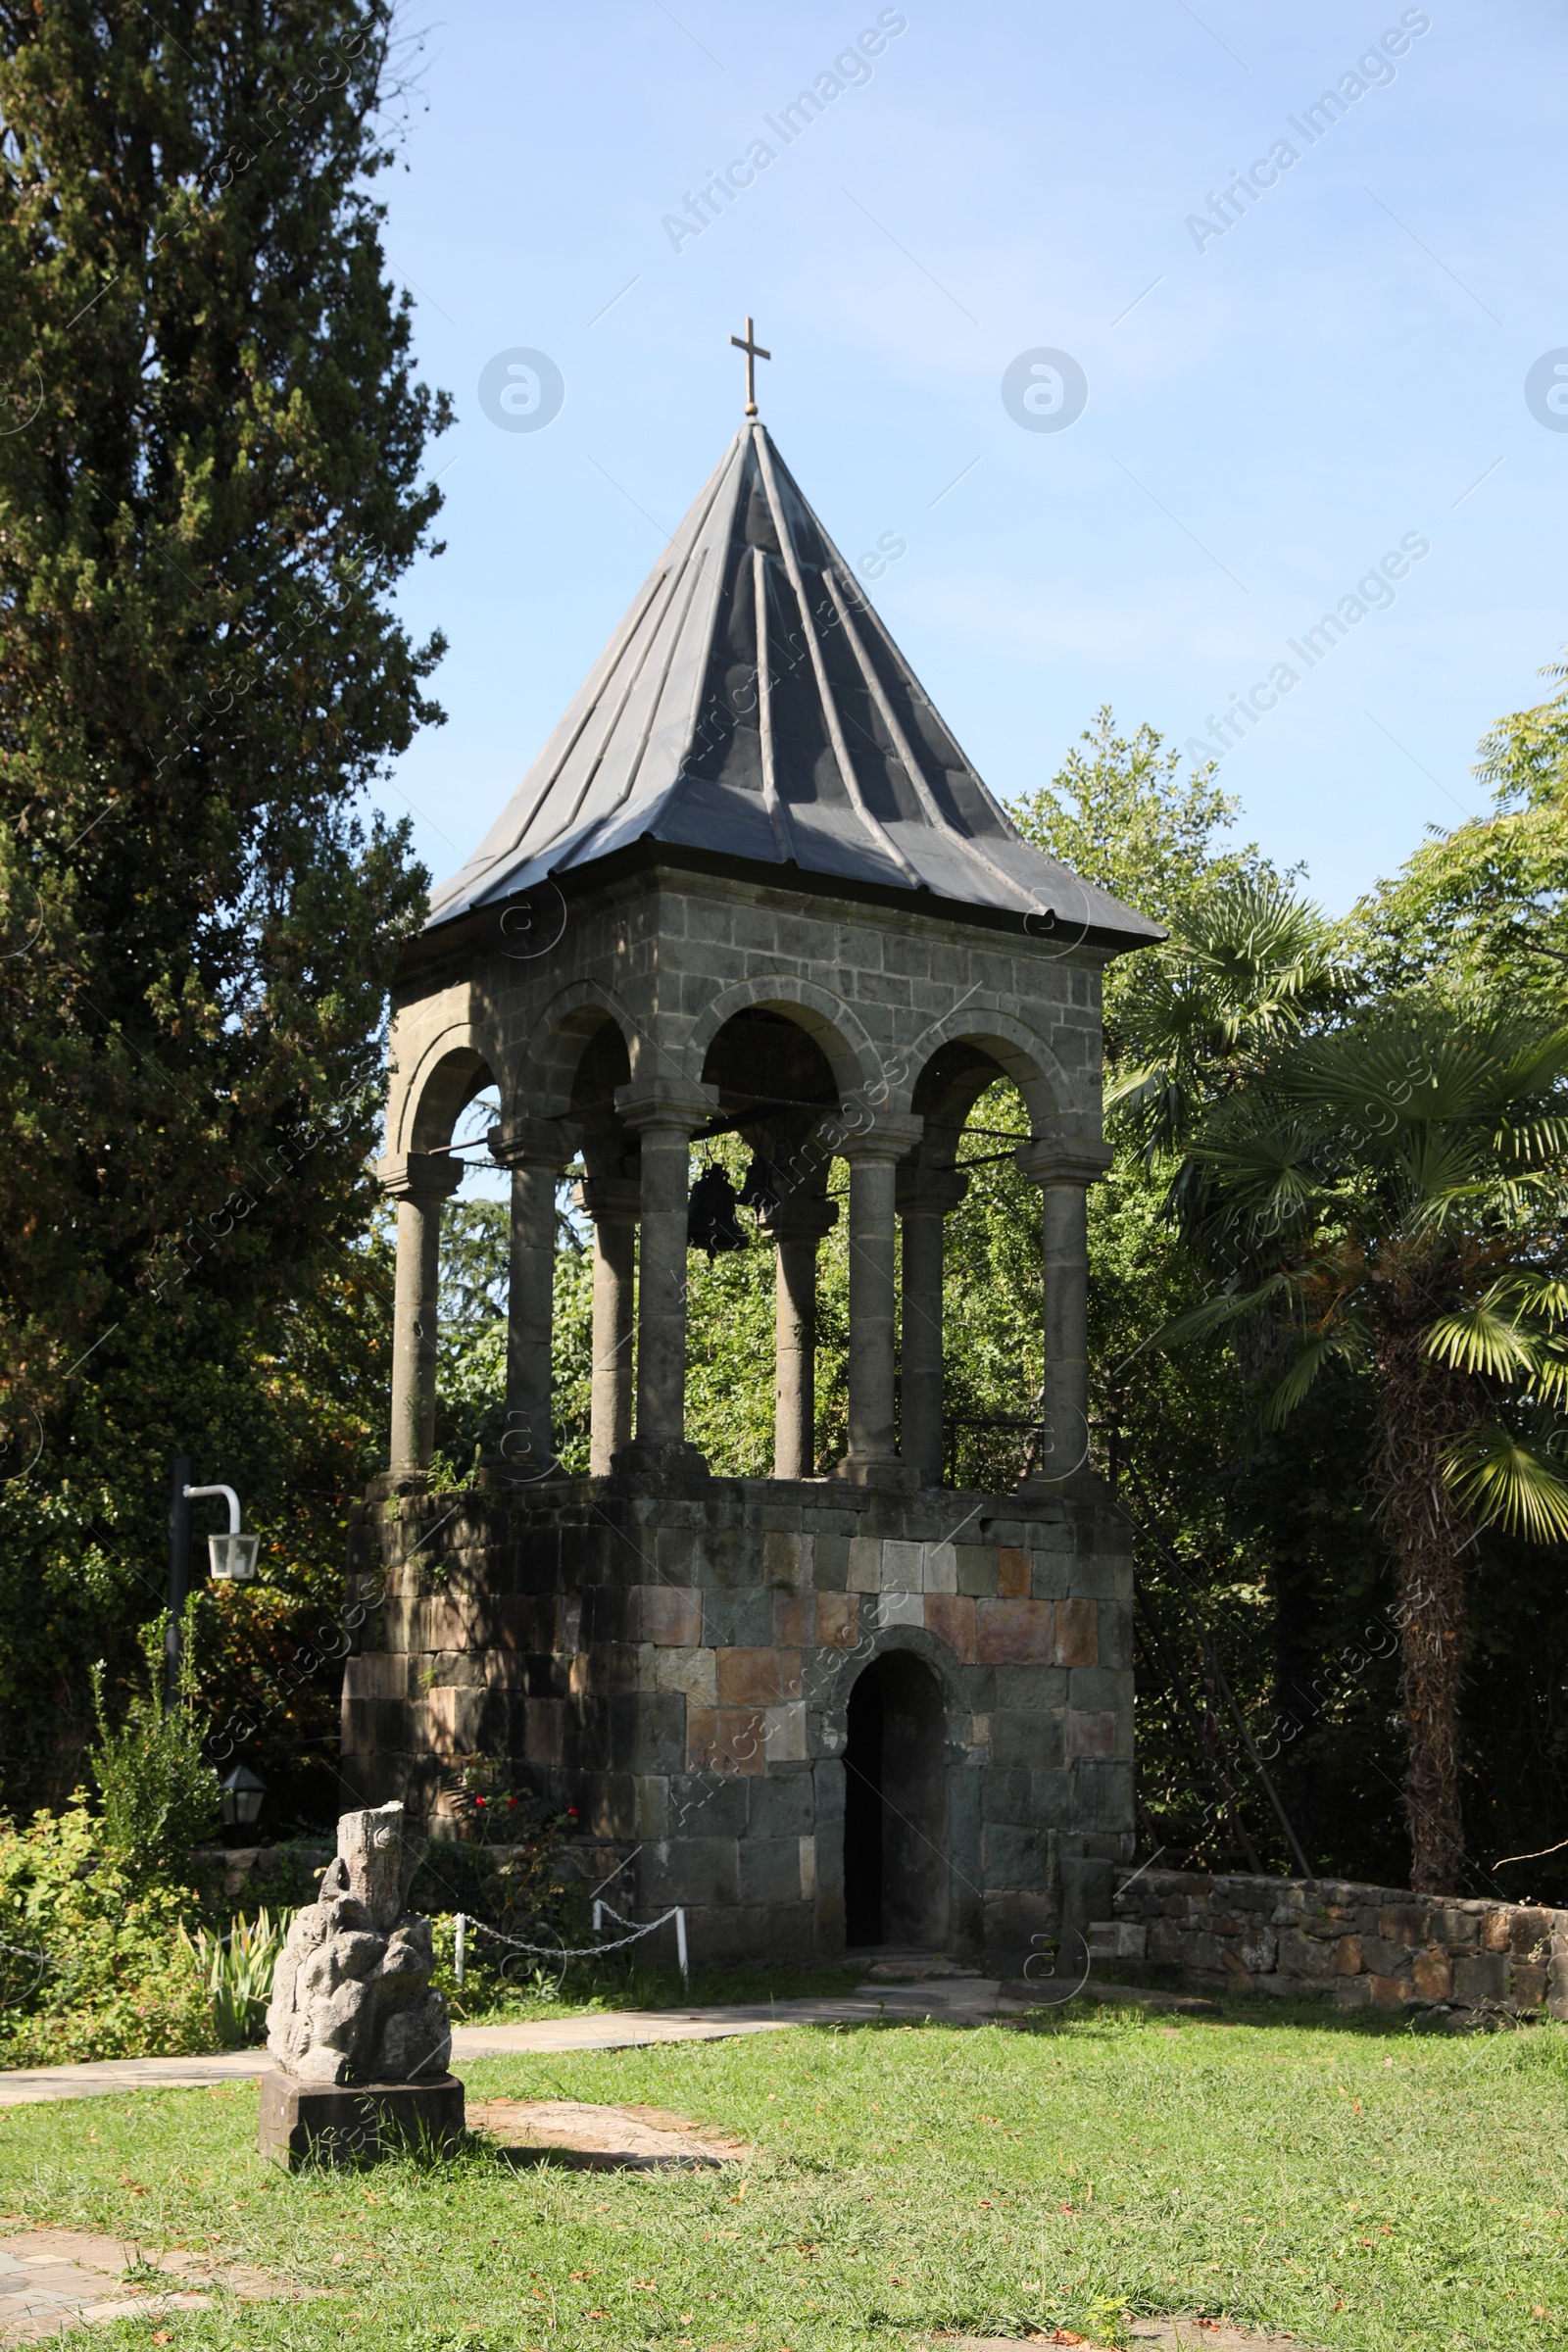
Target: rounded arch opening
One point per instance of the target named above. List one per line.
(441, 1093)
(581, 1039)
(851, 1057)
(775, 1081)
(973, 1368)
(896, 1829)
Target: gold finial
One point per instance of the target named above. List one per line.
(754, 352)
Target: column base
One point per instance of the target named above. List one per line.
(882, 1470)
(1082, 1481)
(659, 1457)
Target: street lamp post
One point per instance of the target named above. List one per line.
(231, 1558)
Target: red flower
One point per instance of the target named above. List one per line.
(511, 1800)
(572, 1810)
(478, 1800)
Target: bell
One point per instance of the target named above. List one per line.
(710, 1222)
(760, 1187)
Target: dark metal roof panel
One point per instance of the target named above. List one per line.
(752, 704)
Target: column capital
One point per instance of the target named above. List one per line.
(427, 1177)
(799, 1218)
(609, 1200)
(1070, 1158)
(892, 1135)
(530, 1142)
(678, 1104)
(924, 1191)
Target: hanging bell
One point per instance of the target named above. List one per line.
(710, 1220)
(760, 1187)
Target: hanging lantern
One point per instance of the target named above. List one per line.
(232, 1556)
(710, 1220)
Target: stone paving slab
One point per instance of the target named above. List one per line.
(52, 2279)
(586, 2138)
(1177, 2333)
(962, 2000)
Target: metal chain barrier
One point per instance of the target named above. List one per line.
(463, 1922)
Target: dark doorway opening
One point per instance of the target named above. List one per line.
(896, 1808)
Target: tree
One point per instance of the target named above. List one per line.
(1391, 1196)
(1121, 814)
(1487, 903)
(1182, 1022)
(210, 483)
(1245, 965)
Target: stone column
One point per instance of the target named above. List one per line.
(797, 1223)
(1065, 1166)
(872, 1458)
(419, 1182)
(926, 1198)
(536, 1150)
(613, 1202)
(665, 1114)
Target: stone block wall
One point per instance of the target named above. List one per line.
(667, 948)
(1363, 1946)
(676, 1663)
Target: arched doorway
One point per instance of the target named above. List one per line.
(896, 1808)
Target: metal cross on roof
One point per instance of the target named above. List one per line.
(754, 352)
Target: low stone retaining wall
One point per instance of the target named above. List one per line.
(1363, 1946)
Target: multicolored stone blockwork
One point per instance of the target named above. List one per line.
(1367, 1948)
(678, 1664)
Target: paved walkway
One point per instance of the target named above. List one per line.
(966, 1998)
(52, 2279)
(960, 2000)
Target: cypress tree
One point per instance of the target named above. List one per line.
(211, 480)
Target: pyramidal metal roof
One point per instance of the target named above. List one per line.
(751, 704)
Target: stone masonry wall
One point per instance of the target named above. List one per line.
(1363, 1946)
(678, 1665)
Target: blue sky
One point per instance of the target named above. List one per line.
(1275, 403)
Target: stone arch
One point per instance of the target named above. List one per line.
(847, 1668)
(563, 1033)
(1018, 1052)
(850, 1054)
(457, 1063)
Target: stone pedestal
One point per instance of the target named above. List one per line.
(331, 2123)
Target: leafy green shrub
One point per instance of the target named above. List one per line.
(113, 1979)
(160, 1794)
(237, 1971)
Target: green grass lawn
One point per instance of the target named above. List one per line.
(1361, 2187)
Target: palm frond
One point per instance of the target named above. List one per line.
(1545, 1295)
(1302, 1371)
(1137, 1085)
(1537, 1065)
(1482, 1337)
(1417, 1064)
(1215, 1315)
(1534, 1142)
(1497, 1477)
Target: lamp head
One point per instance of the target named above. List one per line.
(243, 1792)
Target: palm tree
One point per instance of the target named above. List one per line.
(1391, 1196)
(1241, 969)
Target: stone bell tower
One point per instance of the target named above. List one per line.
(752, 885)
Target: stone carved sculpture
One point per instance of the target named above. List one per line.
(352, 1999)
